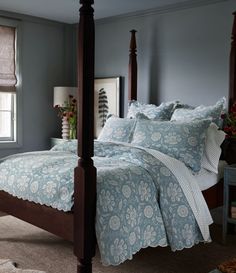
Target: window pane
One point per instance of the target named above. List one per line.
(5, 101)
(5, 124)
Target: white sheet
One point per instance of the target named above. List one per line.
(207, 179)
(191, 190)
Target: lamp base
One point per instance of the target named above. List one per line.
(65, 128)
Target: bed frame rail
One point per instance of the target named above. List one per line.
(57, 222)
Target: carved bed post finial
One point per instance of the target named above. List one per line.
(85, 173)
(132, 95)
(232, 84)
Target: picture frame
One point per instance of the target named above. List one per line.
(106, 101)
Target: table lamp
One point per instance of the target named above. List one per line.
(60, 98)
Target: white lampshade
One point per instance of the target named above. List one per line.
(61, 94)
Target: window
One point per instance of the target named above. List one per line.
(10, 84)
(7, 116)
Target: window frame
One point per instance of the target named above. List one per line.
(17, 142)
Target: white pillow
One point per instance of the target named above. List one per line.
(212, 152)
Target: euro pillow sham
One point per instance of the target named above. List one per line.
(202, 112)
(117, 129)
(151, 111)
(184, 141)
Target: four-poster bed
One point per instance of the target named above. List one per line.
(79, 225)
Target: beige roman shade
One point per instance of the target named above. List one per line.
(7, 59)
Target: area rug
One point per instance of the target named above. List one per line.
(35, 248)
(228, 266)
(8, 266)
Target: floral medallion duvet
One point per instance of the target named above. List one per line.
(140, 202)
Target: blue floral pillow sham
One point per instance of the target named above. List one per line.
(117, 129)
(182, 140)
(151, 111)
(202, 112)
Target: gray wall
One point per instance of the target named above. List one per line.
(46, 49)
(181, 54)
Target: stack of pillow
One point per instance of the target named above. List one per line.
(188, 134)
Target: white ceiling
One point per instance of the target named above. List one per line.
(67, 10)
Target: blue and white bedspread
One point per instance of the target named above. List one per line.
(144, 198)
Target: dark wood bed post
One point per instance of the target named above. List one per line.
(85, 173)
(232, 86)
(132, 93)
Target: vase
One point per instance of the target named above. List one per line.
(65, 128)
(72, 132)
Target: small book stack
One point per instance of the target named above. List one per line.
(233, 209)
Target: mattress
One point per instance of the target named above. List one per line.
(207, 179)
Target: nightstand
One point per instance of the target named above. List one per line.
(229, 150)
(229, 195)
(55, 141)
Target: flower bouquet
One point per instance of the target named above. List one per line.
(230, 122)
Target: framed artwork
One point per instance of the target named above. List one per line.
(106, 101)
